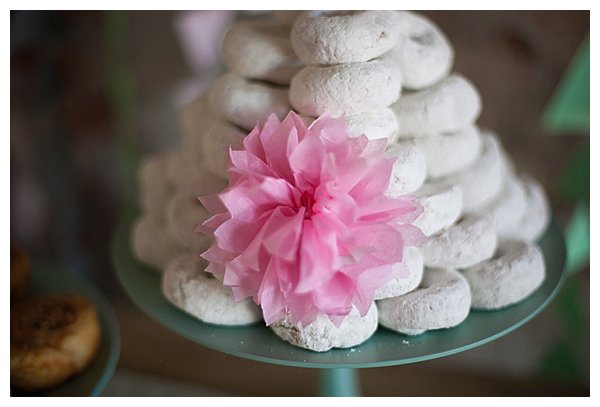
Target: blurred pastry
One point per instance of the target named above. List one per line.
(52, 337)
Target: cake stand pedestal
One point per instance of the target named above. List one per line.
(339, 382)
(339, 376)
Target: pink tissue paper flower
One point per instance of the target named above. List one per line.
(304, 226)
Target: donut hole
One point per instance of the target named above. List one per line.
(268, 83)
(425, 39)
(334, 13)
(460, 219)
(408, 92)
(506, 247)
(270, 30)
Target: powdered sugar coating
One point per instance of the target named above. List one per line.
(482, 182)
(446, 107)
(322, 335)
(442, 206)
(152, 243)
(446, 154)
(377, 123)
(201, 182)
(537, 215)
(215, 153)
(184, 213)
(442, 301)
(413, 262)
(508, 208)
(187, 286)
(195, 117)
(287, 18)
(345, 89)
(339, 38)
(154, 184)
(260, 49)
(467, 242)
(423, 53)
(408, 173)
(246, 103)
(187, 172)
(515, 272)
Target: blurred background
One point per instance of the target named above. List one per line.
(92, 92)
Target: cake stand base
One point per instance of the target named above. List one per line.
(338, 367)
(339, 382)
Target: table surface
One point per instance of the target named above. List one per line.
(384, 348)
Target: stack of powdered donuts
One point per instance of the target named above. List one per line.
(389, 74)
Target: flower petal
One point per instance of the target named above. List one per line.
(305, 227)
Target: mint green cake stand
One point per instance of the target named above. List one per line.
(339, 376)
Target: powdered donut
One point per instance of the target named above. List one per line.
(195, 120)
(201, 182)
(245, 103)
(515, 272)
(442, 206)
(482, 182)
(414, 264)
(152, 242)
(447, 107)
(408, 172)
(344, 37)
(506, 164)
(442, 301)
(262, 50)
(220, 137)
(322, 335)
(187, 172)
(287, 18)
(345, 89)
(182, 165)
(154, 184)
(449, 153)
(184, 213)
(187, 286)
(467, 242)
(423, 52)
(508, 208)
(537, 214)
(378, 123)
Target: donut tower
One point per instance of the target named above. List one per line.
(389, 74)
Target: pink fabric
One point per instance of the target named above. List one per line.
(304, 226)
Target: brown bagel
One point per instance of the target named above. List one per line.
(52, 337)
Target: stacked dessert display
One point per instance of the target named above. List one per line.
(437, 221)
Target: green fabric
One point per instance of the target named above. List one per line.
(574, 181)
(569, 113)
(577, 236)
(565, 360)
(569, 108)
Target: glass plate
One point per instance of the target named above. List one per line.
(384, 348)
(47, 279)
